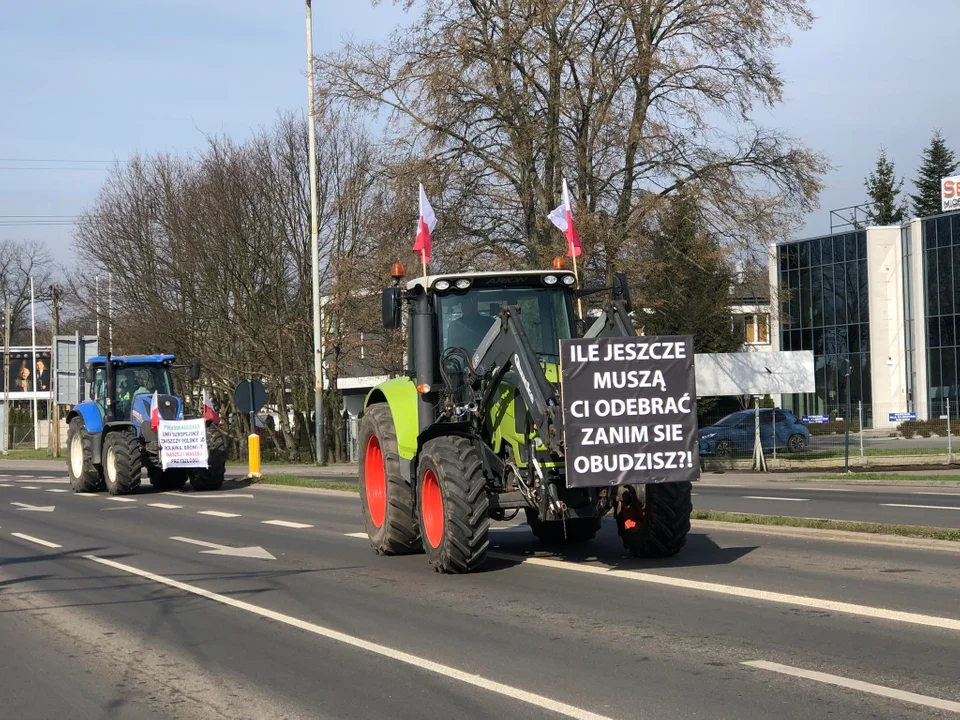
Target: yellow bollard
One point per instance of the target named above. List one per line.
(253, 453)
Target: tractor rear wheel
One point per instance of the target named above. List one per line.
(662, 530)
(84, 475)
(453, 508)
(166, 480)
(121, 462)
(211, 478)
(385, 498)
(551, 532)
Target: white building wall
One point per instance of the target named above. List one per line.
(887, 349)
(917, 301)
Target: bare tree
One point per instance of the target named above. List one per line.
(630, 100)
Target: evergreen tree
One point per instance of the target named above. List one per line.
(686, 280)
(883, 189)
(938, 162)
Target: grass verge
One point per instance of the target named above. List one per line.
(41, 454)
(295, 481)
(889, 477)
(914, 531)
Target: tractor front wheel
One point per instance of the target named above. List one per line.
(385, 498)
(452, 506)
(84, 475)
(211, 477)
(656, 526)
(121, 462)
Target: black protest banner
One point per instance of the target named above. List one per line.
(629, 410)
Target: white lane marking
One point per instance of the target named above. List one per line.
(763, 497)
(944, 623)
(217, 513)
(866, 687)
(59, 490)
(254, 552)
(6, 475)
(46, 481)
(215, 496)
(29, 487)
(447, 671)
(5, 485)
(362, 536)
(287, 524)
(25, 477)
(809, 489)
(122, 499)
(165, 506)
(922, 507)
(35, 508)
(941, 494)
(87, 495)
(38, 541)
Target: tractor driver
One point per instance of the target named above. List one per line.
(468, 330)
(144, 383)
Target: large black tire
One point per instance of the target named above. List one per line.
(452, 505)
(211, 478)
(385, 497)
(551, 532)
(84, 475)
(666, 521)
(169, 480)
(121, 462)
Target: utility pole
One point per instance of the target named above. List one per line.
(54, 408)
(314, 248)
(6, 382)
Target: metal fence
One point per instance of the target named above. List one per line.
(869, 430)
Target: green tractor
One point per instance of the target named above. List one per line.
(473, 432)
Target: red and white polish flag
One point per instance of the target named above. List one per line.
(562, 217)
(425, 225)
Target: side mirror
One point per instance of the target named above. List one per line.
(89, 374)
(621, 290)
(391, 308)
(195, 370)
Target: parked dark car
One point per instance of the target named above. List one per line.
(735, 434)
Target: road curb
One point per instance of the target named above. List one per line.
(831, 535)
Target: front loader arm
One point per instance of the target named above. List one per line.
(507, 346)
(612, 322)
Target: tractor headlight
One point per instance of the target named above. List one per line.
(441, 285)
(567, 280)
(550, 279)
(463, 284)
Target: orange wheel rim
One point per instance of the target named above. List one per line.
(375, 481)
(431, 503)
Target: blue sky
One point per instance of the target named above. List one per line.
(103, 79)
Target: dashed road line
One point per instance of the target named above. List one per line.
(217, 513)
(286, 524)
(57, 490)
(29, 487)
(866, 687)
(941, 494)
(165, 506)
(468, 678)
(5, 485)
(921, 507)
(763, 497)
(36, 540)
(122, 499)
(362, 536)
(215, 496)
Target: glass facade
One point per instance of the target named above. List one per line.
(824, 308)
(941, 280)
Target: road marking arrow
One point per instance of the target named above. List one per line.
(35, 508)
(255, 553)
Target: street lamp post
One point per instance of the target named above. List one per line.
(314, 250)
(845, 370)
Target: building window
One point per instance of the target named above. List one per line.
(753, 327)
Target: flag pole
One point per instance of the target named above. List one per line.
(423, 261)
(576, 276)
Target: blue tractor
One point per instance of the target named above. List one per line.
(110, 438)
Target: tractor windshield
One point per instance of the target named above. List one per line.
(131, 381)
(546, 313)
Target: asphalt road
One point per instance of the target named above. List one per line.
(911, 505)
(262, 603)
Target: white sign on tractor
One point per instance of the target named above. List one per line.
(183, 443)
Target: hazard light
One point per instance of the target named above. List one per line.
(559, 263)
